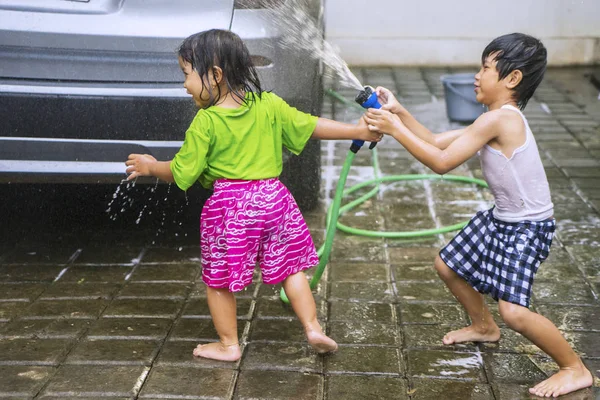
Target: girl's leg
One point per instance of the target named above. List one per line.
(298, 292)
(573, 375)
(221, 303)
(482, 328)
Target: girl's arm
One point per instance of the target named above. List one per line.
(465, 146)
(328, 129)
(146, 165)
(390, 103)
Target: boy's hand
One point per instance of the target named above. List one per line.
(139, 165)
(388, 100)
(366, 134)
(383, 121)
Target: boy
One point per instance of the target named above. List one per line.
(500, 250)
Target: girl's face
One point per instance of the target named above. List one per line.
(486, 81)
(195, 85)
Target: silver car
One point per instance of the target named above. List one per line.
(84, 83)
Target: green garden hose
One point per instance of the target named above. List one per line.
(336, 209)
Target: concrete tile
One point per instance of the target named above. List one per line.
(171, 255)
(21, 291)
(377, 291)
(18, 381)
(361, 311)
(189, 383)
(166, 273)
(33, 351)
(113, 352)
(277, 330)
(29, 273)
(429, 389)
(414, 272)
(351, 272)
(60, 328)
(95, 274)
(572, 318)
(514, 368)
(365, 360)
(278, 385)
(84, 290)
(355, 332)
(108, 254)
(143, 308)
(87, 308)
(363, 387)
(96, 381)
(282, 356)
(130, 328)
(11, 309)
(445, 364)
(430, 313)
(155, 290)
(424, 291)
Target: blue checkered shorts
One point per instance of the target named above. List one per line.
(500, 258)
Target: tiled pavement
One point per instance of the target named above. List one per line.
(91, 320)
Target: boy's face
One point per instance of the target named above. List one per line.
(487, 85)
(193, 84)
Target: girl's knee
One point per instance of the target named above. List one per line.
(514, 315)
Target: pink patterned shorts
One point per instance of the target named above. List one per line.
(248, 222)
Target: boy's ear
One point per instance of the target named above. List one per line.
(513, 79)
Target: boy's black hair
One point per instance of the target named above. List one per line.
(523, 52)
(223, 49)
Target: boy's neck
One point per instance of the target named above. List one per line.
(502, 102)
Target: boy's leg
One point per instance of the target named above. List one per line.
(573, 375)
(221, 303)
(298, 292)
(483, 328)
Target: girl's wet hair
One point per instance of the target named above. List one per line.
(523, 52)
(223, 49)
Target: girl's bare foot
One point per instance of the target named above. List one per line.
(219, 351)
(321, 342)
(489, 333)
(566, 380)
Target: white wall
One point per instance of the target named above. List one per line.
(454, 32)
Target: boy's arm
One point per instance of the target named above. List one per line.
(146, 165)
(328, 129)
(390, 103)
(475, 136)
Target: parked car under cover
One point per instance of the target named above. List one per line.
(84, 83)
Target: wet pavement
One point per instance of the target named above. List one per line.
(92, 311)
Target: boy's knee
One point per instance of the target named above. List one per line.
(442, 269)
(514, 315)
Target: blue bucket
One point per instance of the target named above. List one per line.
(461, 104)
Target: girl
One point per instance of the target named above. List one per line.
(234, 144)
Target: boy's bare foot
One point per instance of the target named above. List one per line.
(490, 333)
(219, 351)
(565, 381)
(321, 342)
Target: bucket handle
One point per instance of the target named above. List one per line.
(459, 94)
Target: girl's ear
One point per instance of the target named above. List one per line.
(513, 79)
(217, 75)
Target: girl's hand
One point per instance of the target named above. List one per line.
(367, 134)
(383, 121)
(388, 100)
(139, 165)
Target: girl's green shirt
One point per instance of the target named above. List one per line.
(241, 143)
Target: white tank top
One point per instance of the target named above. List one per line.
(518, 184)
